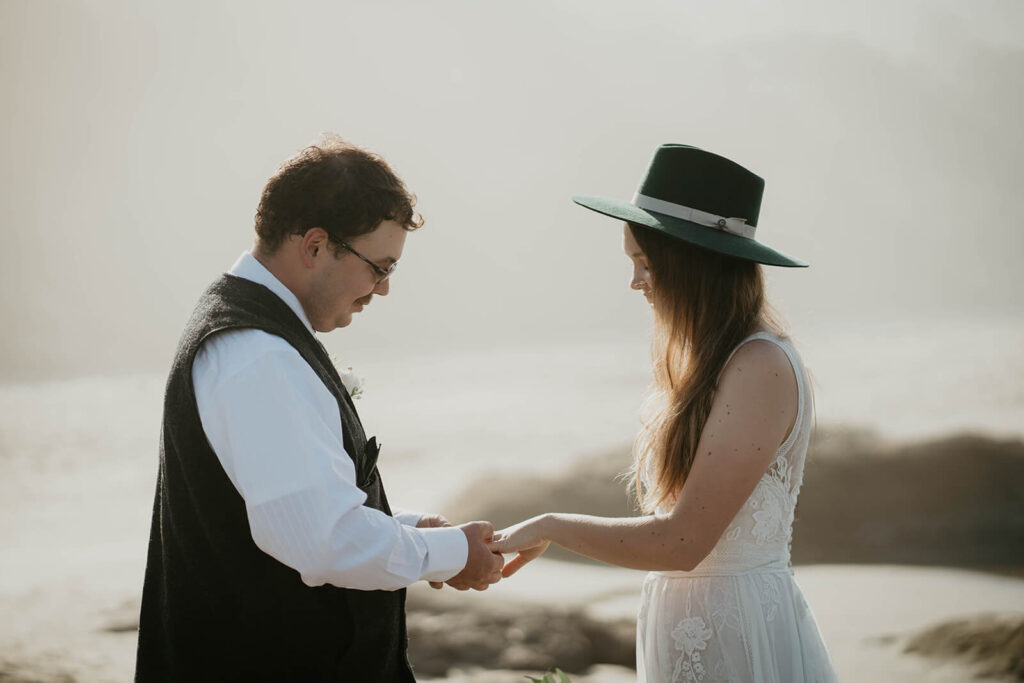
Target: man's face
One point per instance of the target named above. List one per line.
(344, 284)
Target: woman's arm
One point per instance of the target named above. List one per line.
(753, 412)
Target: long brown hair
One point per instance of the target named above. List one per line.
(705, 303)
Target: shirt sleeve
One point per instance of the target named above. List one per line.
(406, 517)
(277, 432)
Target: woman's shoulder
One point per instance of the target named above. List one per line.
(762, 364)
(764, 347)
(759, 383)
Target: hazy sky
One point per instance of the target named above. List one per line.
(137, 137)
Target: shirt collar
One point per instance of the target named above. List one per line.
(248, 268)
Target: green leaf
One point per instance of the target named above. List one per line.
(550, 677)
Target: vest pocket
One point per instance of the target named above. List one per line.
(367, 466)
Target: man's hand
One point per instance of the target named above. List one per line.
(482, 566)
(427, 521)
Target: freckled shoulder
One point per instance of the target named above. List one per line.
(759, 355)
(762, 367)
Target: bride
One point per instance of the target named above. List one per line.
(719, 461)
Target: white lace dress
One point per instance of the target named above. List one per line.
(739, 616)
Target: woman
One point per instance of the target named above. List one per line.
(720, 459)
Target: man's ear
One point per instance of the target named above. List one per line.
(313, 245)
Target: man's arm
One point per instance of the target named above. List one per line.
(276, 430)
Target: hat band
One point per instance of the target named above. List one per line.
(735, 226)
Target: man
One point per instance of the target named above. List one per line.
(273, 552)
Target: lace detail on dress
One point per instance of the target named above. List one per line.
(691, 636)
(770, 502)
(771, 594)
(767, 513)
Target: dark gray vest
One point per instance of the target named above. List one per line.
(214, 606)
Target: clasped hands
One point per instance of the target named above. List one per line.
(485, 564)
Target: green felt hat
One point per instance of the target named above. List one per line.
(700, 198)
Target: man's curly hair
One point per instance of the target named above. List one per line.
(336, 186)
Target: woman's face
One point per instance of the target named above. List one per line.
(641, 280)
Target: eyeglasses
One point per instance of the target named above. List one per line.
(384, 273)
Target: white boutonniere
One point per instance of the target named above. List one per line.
(353, 382)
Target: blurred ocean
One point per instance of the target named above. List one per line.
(78, 457)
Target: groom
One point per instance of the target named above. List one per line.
(273, 552)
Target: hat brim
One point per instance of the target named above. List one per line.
(694, 233)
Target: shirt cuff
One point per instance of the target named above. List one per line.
(447, 552)
(407, 517)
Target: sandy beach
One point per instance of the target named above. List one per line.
(72, 603)
(83, 629)
(77, 469)
(866, 622)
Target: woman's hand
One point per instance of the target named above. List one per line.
(527, 538)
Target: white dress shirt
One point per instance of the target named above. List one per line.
(277, 432)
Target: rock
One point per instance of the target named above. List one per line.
(449, 632)
(994, 643)
(952, 501)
